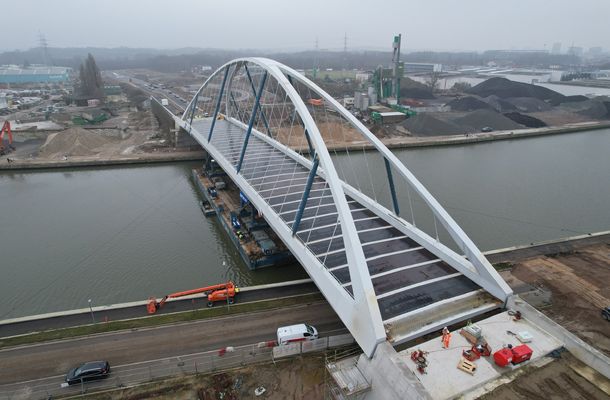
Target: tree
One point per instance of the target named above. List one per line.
(91, 84)
(432, 80)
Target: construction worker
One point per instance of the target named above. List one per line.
(446, 338)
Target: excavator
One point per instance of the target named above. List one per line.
(6, 128)
(220, 292)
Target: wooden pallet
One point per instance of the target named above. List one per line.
(467, 366)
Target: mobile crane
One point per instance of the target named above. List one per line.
(6, 128)
(220, 292)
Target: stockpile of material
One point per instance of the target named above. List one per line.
(525, 120)
(73, 142)
(499, 104)
(480, 119)
(468, 103)
(425, 124)
(588, 108)
(505, 88)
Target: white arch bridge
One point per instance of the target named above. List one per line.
(388, 258)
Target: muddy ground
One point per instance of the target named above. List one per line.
(570, 288)
(561, 379)
(298, 378)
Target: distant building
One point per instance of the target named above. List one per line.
(596, 51)
(556, 48)
(415, 68)
(34, 74)
(575, 51)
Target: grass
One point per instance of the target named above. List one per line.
(503, 266)
(158, 320)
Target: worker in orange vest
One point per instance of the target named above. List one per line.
(446, 339)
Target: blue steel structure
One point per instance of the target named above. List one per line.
(386, 278)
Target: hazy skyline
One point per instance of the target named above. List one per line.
(283, 25)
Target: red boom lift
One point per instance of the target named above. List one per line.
(6, 128)
(221, 292)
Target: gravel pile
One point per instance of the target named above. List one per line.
(499, 104)
(424, 124)
(468, 103)
(72, 142)
(479, 119)
(529, 104)
(505, 88)
(589, 108)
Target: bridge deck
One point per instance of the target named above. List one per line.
(405, 276)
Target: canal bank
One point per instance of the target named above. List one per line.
(80, 162)
(121, 234)
(394, 143)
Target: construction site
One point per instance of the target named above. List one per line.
(407, 316)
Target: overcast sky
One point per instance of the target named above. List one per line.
(294, 25)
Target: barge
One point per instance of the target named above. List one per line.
(256, 242)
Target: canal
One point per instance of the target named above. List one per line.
(122, 234)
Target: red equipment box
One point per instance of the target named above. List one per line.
(521, 353)
(503, 357)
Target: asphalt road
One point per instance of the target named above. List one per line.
(178, 305)
(27, 370)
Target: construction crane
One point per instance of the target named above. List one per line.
(220, 292)
(6, 128)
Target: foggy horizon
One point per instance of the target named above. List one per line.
(277, 26)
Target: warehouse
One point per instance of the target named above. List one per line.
(14, 74)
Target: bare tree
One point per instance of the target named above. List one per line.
(432, 80)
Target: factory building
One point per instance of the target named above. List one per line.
(14, 74)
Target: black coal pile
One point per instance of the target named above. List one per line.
(499, 104)
(589, 108)
(525, 120)
(480, 119)
(424, 124)
(529, 104)
(505, 88)
(574, 99)
(414, 90)
(468, 103)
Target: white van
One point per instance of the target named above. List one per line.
(296, 333)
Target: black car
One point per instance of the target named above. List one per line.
(89, 371)
(606, 313)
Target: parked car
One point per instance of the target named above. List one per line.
(606, 313)
(487, 129)
(88, 371)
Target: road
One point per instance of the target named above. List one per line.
(129, 312)
(36, 370)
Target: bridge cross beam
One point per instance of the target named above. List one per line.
(251, 122)
(388, 169)
(254, 92)
(301, 209)
(222, 88)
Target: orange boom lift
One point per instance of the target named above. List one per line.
(221, 292)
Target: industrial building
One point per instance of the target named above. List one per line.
(14, 74)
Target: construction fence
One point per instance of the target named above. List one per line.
(142, 372)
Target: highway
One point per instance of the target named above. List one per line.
(35, 371)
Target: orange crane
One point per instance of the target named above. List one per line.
(220, 292)
(6, 128)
